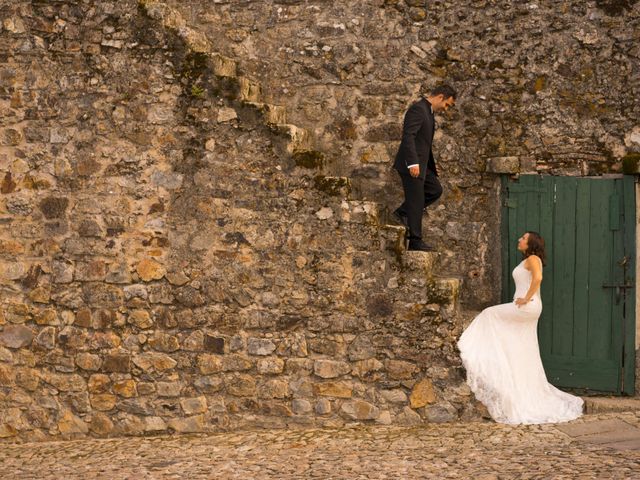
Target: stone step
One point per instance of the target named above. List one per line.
(419, 262)
(333, 186)
(446, 291)
(272, 114)
(392, 237)
(299, 139)
(611, 404)
(360, 211)
(251, 91)
(173, 20)
(223, 66)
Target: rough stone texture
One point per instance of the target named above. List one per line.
(181, 254)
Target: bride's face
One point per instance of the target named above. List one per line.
(523, 242)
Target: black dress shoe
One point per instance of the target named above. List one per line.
(400, 218)
(419, 245)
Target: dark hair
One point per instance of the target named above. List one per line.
(446, 91)
(535, 246)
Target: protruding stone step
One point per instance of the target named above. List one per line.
(251, 91)
(272, 114)
(173, 20)
(359, 211)
(223, 66)
(392, 237)
(312, 159)
(611, 404)
(446, 291)
(416, 261)
(299, 138)
(333, 186)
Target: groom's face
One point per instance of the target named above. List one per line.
(442, 104)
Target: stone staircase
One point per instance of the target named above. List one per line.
(298, 145)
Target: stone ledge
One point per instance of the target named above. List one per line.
(503, 165)
(611, 404)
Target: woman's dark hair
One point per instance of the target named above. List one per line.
(535, 246)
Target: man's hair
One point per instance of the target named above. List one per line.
(446, 91)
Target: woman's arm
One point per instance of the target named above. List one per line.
(534, 265)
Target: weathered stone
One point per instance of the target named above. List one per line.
(323, 407)
(260, 346)
(394, 396)
(169, 389)
(330, 368)
(149, 270)
(360, 410)
(361, 349)
(241, 385)
(208, 384)
(163, 342)
(503, 165)
(226, 115)
(422, 394)
(270, 366)
(208, 364)
(235, 363)
(187, 425)
(47, 317)
(7, 430)
(7, 375)
(440, 413)
(70, 424)
(141, 319)
(154, 424)
(214, 344)
(54, 207)
(152, 361)
(88, 361)
(16, 336)
(101, 424)
(46, 338)
(192, 406)
(366, 368)
(194, 342)
(400, 370)
(103, 401)
(376, 153)
(119, 362)
(408, 417)
(301, 406)
(125, 388)
(98, 383)
(64, 383)
(40, 295)
(334, 389)
(274, 388)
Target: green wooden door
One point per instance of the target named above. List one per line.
(587, 327)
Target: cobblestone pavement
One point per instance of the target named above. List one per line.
(481, 450)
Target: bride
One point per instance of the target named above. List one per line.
(500, 352)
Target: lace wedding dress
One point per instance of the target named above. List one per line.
(500, 352)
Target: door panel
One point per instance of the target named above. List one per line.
(586, 223)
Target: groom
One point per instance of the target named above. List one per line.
(416, 165)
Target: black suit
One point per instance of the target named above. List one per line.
(415, 149)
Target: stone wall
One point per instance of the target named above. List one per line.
(193, 202)
(545, 86)
(165, 265)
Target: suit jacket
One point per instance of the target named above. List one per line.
(417, 138)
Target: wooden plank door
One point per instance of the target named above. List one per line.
(586, 330)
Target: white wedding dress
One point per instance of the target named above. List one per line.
(500, 352)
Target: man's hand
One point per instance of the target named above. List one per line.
(414, 171)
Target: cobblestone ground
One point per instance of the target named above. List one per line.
(482, 450)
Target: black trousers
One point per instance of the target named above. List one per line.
(418, 195)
